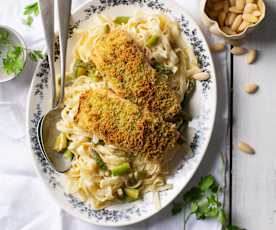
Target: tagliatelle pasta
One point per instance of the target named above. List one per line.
(101, 173)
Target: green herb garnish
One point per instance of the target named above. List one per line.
(35, 55)
(4, 38)
(30, 11)
(203, 202)
(13, 62)
(12, 55)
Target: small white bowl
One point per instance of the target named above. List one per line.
(16, 38)
(214, 26)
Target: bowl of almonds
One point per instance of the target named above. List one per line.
(232, 19)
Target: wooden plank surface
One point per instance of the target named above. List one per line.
(254, 177)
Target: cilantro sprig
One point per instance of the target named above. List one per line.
(203, 202)
(29, 12)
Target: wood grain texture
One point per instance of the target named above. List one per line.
(254, 176)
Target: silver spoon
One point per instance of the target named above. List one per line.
(47, 131)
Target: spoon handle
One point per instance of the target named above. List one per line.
(64, 13)
(47, 15)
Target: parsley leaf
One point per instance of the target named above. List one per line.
(206, 183)
(4, 38)
(30, 11)
(177, 208)
(28, 21)
(35, 55)
(233, 227)
(203, 202)
(13, 61)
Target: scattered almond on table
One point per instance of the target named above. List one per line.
(251, 56)
(251, 88)
(237, 50)
(246, 148)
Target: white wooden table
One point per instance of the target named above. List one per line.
(252, 181)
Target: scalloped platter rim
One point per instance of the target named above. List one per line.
(203, 105)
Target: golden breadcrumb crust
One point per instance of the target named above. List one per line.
(125, 66)
(121, 123)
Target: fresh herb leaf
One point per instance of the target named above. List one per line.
(203, 202)
(35, 55)
(233, 227)
(162, 69)
(13, 61)
(4, 38)
(192, 195)
(28, 21)
(206, 183)
(30, 11)
(177, 208)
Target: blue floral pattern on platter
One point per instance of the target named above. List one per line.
(122, 214)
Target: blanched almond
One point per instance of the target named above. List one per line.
(217, 47)
(240, 4)
(202, 76)
(236, 50)
(249, 8)
(257, 13)
(249, 18)
(232, 18)
(232, 2)
(251, 88)
(227, 23)
(218, 6)
(237, 22)
(221, 18)
(243, 26)
(226, 6)
(246, 148)
(251, 56)
(228, 30)
(234, 9)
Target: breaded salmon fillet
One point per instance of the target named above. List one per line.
(121, 123)
(125, 66)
